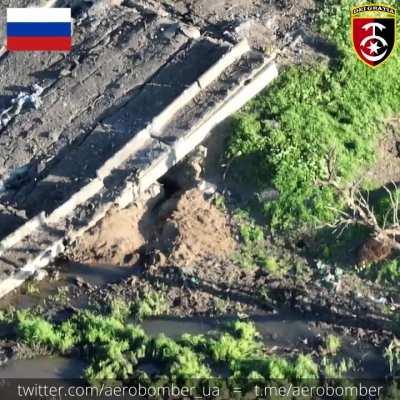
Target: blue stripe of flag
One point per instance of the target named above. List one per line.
(38, 29)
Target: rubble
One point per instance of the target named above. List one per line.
(18, 103)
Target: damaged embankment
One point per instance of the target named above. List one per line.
(125, 176)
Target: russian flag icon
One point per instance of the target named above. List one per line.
(39, 29)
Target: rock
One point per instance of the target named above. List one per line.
(4, 358)
(190, 31)
(268, 195)
(170, 32)
(55, 276)
(207, 188)
(80, 282)
(40, 275)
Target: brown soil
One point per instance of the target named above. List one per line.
(186, 229)
(114, 240)
(387, 165)
(194, 230)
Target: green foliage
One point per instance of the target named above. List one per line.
(35, 331)
(150, 304)
(389, 272)
(240, 342)
(392, 355)
(31, 288)
(252, 251)
(305, 368)
(332, 370)
(219, 202)
(261, 369)
(273, 267)
(384, 209)
(188, 365)
(61, 298)
(119, 308)
(309, 112)
(164, 348)
(195, 342)
(385, 272)
(112, 363)
(8, 315)
(182, 363)
(114, 347)
(68, 334)
(275, 368)
(114, 350)
(97, 328)
(333, 344)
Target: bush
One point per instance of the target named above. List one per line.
(333, 344)
(150, 304)
(240, 342)
(305, 368)
(34, 330)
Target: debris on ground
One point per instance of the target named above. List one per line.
(18, 103)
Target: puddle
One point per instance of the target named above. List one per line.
(43, 368)
(98, 275)
(284, 331)
(276, 330)
(175, 327)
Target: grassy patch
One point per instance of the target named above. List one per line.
(392, 355)
(150, 304)
(313, 113)
(386, 272)
(332, 344)
(255, 251)
(116, 350)
(252, 251)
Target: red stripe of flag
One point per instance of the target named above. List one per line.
(31, 43)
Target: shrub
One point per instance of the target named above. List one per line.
(120, 309)
(150, 304)
(305, 368)
(241, 343)
(333, 344)
(35, 331)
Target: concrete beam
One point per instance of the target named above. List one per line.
(132, 191)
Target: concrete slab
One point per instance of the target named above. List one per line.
(131, 102)
(81, 162)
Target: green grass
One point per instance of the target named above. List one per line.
(309, 113)
(332, 344)
(115, 349)
(385, 272)
(150, 304)
(35, 330)
(392, 355)
(252, 252)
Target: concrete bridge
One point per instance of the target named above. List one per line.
(139, 92)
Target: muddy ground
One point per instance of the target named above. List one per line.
(185, 245)
(97, 97)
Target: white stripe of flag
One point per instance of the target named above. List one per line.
(39, 15)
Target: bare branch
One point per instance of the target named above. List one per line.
(358, 209)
